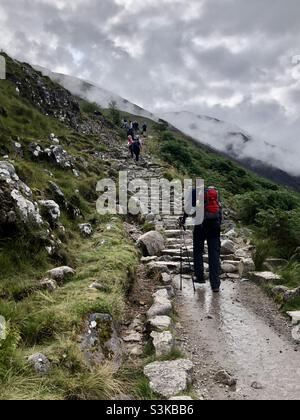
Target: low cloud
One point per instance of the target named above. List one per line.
(231, 59)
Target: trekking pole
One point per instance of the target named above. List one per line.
(181, 258)
(189, 261)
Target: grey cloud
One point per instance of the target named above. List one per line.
(90, 39)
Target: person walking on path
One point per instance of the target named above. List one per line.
(137, 147)
(144, 129)
(130, 145)
(210, 231)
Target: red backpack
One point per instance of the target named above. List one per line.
(212, 205)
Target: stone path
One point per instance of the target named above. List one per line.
(240, 331)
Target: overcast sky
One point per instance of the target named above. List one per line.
(231, 59)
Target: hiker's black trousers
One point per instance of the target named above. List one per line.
(209, 231)
(137, 155)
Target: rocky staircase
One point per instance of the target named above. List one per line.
(172, 378)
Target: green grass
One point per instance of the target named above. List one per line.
(50, 323)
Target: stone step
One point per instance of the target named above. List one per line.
(176, 233)
(176, 252)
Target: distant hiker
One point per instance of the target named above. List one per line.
(137, 147)
(130, 145)
(210, 231)
(136, 126)
(144, 129)
(131, 125)
(130, 132)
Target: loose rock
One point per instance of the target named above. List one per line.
(171, 378)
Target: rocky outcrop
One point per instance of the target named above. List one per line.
(168, 379)
(16, 198)
(50, 211)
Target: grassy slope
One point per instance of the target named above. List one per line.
(50, 323)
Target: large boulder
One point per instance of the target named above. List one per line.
(227, 247)
(171, 378)
(100, 342)
(152, 243)
(61, 274)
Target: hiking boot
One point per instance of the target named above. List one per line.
(216, 290)
(199, 280)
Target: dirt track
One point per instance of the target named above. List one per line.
(242, 331)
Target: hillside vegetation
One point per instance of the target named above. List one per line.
(37, 320)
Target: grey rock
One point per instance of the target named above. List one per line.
(257, 385)
(264, 277)
(98, 286)
(49, 284)
(160, 323)
(291, 294)
(225, 378)
(133, 337)
(27, 210)
(246, 266)
(295, 316)
(168, 379)
(50, 210)
(227, 247)
(160, 308)
(86, 229)
(296, 333)
(100, 342)
(229, 268)
(163, 342)
(3, 328)
(61, 274)
(152, 243)
(273, 264)
(40, 363)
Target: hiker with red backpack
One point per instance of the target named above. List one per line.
(210, 231)
(130, 145)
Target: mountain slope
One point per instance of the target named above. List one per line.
(93, 93)
(262, 157)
